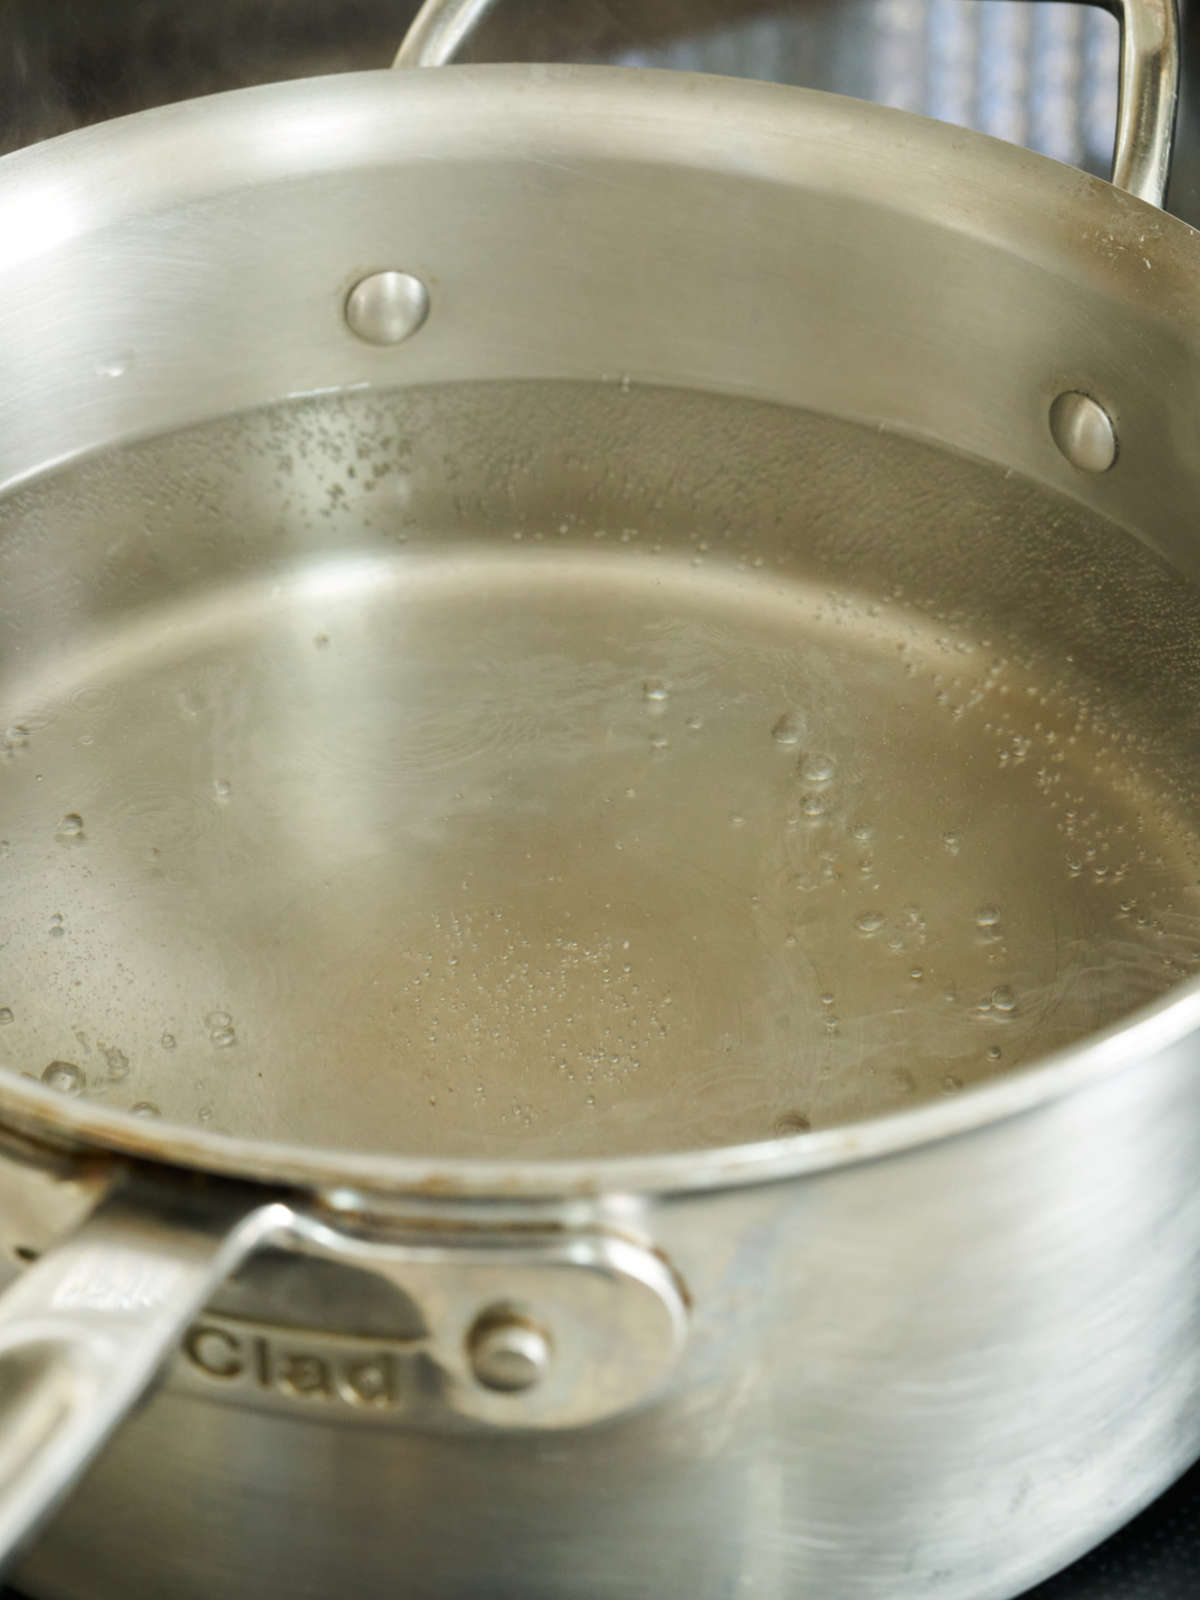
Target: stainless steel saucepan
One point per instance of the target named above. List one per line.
(600, 841)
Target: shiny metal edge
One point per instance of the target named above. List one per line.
(348, 1178)
(959, 179)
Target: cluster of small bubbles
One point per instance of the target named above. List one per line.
(6, 1016)
(65, 1077)
(222, 789)
(869, 921)
(220, 1029)
(167, 1041)
(789, 729)
(56, 925)
(145, 1108)
(71, 827)
(654, 691)
(816, 768)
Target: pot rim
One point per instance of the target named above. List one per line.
(81, 182)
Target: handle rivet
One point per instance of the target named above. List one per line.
(508, 1352)
(1083, 431)
(387, 307)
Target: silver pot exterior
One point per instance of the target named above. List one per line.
(936, 1372)
(939, 1374)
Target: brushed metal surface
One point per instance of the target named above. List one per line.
(918, 1378)
(935, 1352)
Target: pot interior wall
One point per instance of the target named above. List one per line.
(565, 769)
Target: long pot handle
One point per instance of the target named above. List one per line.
(1148, 92)
(84, 1331)
(525, 1327)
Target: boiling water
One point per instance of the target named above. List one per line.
(563, 770)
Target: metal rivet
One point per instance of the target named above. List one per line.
(508, 1352)
(1083, 431)
(387, 307)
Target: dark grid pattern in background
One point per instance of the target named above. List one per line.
(1040, 74)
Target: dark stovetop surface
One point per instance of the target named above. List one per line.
(1157, 1557)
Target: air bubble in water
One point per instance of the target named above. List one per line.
(115, 366)
(1003, 999)
(791, 1123)
(65, 1077)
(116, 1061)
(145, 1108)
(6, 1016)
(816, 768)
(71, 826)
(993, 1052)
(869, 921)
(222, 789)
(788, 729)
(654, 690)
(987, 917)
(220, 1029)
(167, 1041)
